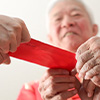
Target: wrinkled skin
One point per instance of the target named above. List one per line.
(55, 85)
(83, 94)
(70, 25)
(88, 61)
(13, 32)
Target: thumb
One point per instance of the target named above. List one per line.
(73, 72)
(25, 35)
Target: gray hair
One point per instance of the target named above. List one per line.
(54, 2)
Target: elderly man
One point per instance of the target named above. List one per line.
(69, 26)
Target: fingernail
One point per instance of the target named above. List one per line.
(86, 77)
(89, 94)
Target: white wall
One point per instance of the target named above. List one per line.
(13, 76)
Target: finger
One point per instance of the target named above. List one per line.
(74, 72)
(84, 47)
(96, 80)
(96, 53)
(90, 88)
(59, 79)
(25, 36)
(85, 83)
(4, 45)
(82, 59)
(87, 67)
(3, 57)
(56, 80)
(15, 29)
(56, 88)
(77, 84)
(94, 43)
(87, 45)
(7, 60)
(96, 94)
(64, 95)
(94, 71)
(13, 44)
(18, 30)
(51, 72)
(4, 39)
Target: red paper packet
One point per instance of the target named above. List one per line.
(45, 55)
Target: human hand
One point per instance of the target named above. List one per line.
(88, 60)
(55, 85)
(4, 58)
(13, 31)
(97, 94)
(89, 87)
(83, 94)
(87, 90)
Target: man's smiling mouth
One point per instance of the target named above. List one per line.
(68, 33)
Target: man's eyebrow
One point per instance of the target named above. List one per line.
(76, 9)
(57, 14)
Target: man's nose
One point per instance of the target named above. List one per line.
(68, 22)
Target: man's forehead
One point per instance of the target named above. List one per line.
(59, 11)
(68, 5)
(71, 10)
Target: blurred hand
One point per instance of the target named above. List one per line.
(89, 87)
(83, 94)
(55, 85)
(13, 31)
(88, 60)
(96, 94)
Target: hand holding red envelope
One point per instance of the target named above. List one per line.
(45, 55)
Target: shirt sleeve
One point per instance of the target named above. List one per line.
(27, 93)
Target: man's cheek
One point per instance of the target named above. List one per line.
(83, 24)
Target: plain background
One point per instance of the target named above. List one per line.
(13, 76)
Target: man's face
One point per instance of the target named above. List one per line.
(69, 25)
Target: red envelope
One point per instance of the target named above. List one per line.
(45, 55)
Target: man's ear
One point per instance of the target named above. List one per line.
(49, 38)
(95, 29)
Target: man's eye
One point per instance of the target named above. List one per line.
(76, 15)
(58, 19)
